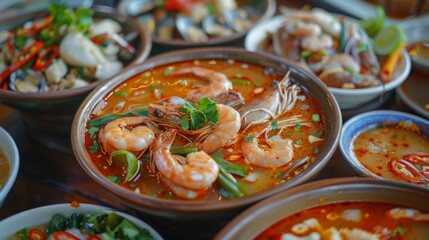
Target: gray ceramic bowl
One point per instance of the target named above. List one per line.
(415, 30)
(8, 146)
(264, 8)
(176, 209)
(42, 215)
(259, 217)
(48, 116)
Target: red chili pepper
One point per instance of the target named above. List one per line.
(419, 158)
(9, 45)
(405, 170)
(27, 55)
(99, 39)
(24, 57)
(94, 237)
(63, 235)
(38, 25)
(36, 234)
(180, 5)
(46, 57)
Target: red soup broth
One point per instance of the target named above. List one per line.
(373, 218)
(153, 84)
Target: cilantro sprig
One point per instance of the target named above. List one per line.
(79, 19)
(195, 117)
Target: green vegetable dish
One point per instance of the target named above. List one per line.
(103, 225)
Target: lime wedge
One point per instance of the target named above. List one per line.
(373, 25)
(388, 39)
(126, 159)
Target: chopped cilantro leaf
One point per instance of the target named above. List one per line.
(249, 138)
(114, 179)
(274, 125)
(195, 118)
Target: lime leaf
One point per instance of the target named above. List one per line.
(127, 159)
(388, 40)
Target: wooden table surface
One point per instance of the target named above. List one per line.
(50, 177)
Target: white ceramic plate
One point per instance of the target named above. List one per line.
(42, 215)
(346, 98)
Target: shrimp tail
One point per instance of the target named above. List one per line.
(165, 139)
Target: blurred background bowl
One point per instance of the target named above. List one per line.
(415, 31)
(201, 209)
(40, 216)
(262, 9)
(48, 116)
(346, 98)
(264, 214)
(8, 147)
(369, 120)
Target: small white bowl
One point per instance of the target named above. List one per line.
(8, 146)
(42, 215)
(346, 98)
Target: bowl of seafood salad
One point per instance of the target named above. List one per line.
(48, 114)
(190, 23)
(64, 50)
(336, 49)
(204, 131)
(80, 221)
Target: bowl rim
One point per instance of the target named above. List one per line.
(351, 159)
(235, 228)
(84, 208)
(339, 91)
(13, 162)
(81, 154)
(181, 43)
(410, 103)
(141, 55)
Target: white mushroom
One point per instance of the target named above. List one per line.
(108, 26)
(108, 69)
(77, 50)
(56, 71)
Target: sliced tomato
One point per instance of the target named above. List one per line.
(419, 158)
(36, 234)
(405, 170)
(63, 235)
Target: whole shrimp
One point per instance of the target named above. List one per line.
(119, 134)
(270, 104)
(188, 177)
(227, 128)
(278, 153)
(342, 71)
(219, 83)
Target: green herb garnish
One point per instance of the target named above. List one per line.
(298, 127)
(274, 125)
(298, 142)
(399, 231)
(195, 118)
(305, 54)
(249, 138)
(114, 179)
(93, 132)
(315, 117)
(121, 94)
(240, 81)
(80, 19)
(98, 122)
(319, 134)
(231, 167)
(94, 147)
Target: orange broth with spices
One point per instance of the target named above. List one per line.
(154, 84)
(374, 149)
(367, 216)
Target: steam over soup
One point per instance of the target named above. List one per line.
(205, 129)
(4, 168)
(351, 220)
(396, 152)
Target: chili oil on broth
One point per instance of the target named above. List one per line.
(375, 147)
(373, 218)
(146, 86)
(4, 168)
